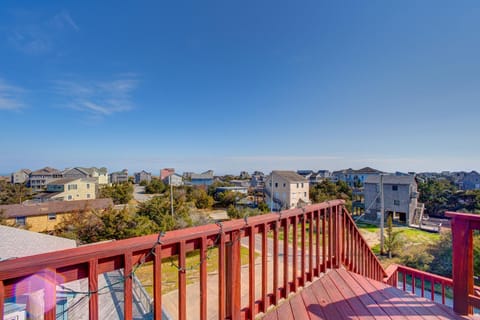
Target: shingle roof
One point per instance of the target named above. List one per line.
(63, 181)
(290, 176)
(15, 243)
(20, 210)
(46, 170)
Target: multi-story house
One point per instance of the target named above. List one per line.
(258, 180)
(202, 179)
(45, 216)
(142, 176)
(286, 189)
(21, 176)
(39, 179)
(468, 180)
(400, 198)
(68, 189)
(355, 178)
(174, 179)
(119, 176)
(100, 174)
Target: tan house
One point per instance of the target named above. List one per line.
(45, 216)
(69, 189)
(289, 189)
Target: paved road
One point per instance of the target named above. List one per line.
(140, 195)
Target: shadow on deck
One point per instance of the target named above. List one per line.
(340, 294)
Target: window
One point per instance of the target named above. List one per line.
(72, 187)
(88, 195)
(297, 185)
(88, 185)
(304, 194)
(284, 185)
(395, 188)
(52, 216)
(20, 221)
(276, 184)
(396, 202)
(70, 197)
(302, 184)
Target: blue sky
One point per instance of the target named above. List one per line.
(240, 85)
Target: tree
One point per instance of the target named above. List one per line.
(158, 210)
(392, 241)
(87, 226)
(120, 193)
(14, 193)
(155, 186)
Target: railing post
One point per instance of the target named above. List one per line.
(233, 270)
(462, 260)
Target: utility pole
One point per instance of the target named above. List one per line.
(171, 193)
(271, 192)
(382, 216)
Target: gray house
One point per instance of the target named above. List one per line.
(39, 179)
(400, 198)
(21, 176)
(142, 176)
(119, 177)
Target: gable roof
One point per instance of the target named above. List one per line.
(290, 176)
(63, 181)
(45, 171)
(28, 210)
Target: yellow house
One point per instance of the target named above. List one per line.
(70, 189)
(45, 216)
(289, 190)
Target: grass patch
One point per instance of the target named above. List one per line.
(170, 271)
(367, 226)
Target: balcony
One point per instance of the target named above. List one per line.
(328, 252)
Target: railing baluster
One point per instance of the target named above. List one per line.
(157, 283)
(324, 240)
(182, 282)
(275, 263)
(93, 288)
(203, 278)
(128, 293)
(295, 253)
(330, 238)
(251, 274)
(432, 289)
(265, 299)
(422, 279)
(310, 246)
(221, 277)
(302, 274)
(286, 232)
(50, 296)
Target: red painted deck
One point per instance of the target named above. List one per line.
(340, 294)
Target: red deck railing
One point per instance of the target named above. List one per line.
(429, 285)
(292, 247)
(464, 291)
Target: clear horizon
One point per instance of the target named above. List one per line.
(240, 86)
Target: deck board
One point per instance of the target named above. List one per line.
(340, 294)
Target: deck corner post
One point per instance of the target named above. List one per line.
(462, 261)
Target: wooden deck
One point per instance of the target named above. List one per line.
(340, 294)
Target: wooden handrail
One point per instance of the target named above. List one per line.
(324, 236)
